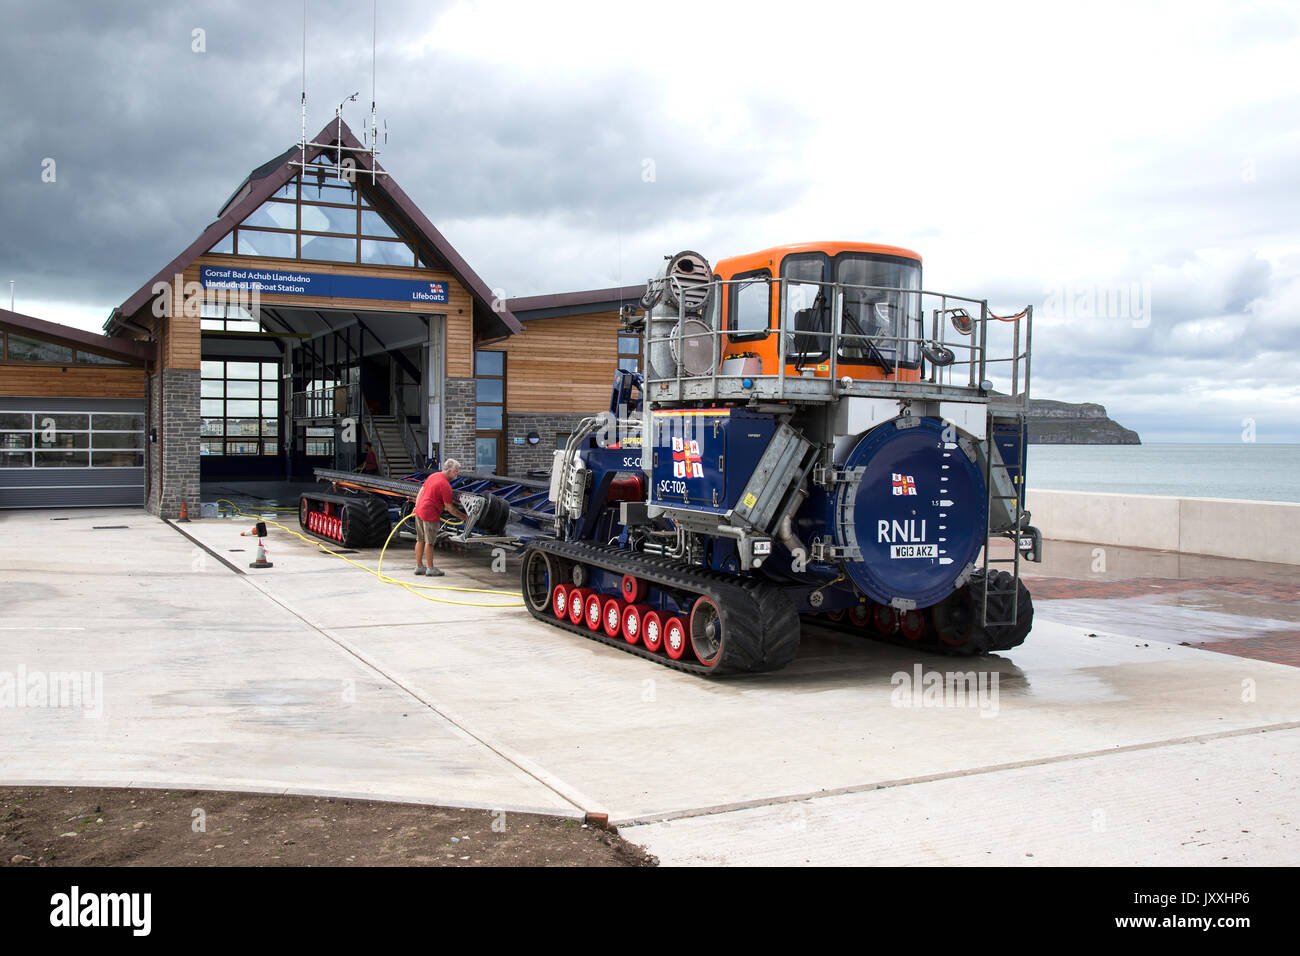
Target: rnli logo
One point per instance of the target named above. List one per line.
(904, 484)
(686, 459)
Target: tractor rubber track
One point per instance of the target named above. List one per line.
(983, 640)
(927, 642)
(760, 624)
(365, 519)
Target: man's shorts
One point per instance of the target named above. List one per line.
(426, 532)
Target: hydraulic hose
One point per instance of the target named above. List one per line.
(379, 571)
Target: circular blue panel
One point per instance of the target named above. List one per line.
(917, 513)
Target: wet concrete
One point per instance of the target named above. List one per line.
(1245, 608)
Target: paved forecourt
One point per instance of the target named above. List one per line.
(243, 672)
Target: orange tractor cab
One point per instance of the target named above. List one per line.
(788, 287)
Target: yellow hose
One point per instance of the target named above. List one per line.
(379, 571)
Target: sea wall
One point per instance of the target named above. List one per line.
(1222, 527)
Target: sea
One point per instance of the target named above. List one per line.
(1254, 470)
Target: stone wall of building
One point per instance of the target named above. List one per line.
(458, 423)
(523, 458)
(179, 440)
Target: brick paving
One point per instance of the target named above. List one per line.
(1269, 598)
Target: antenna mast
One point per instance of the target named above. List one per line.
(346, 158)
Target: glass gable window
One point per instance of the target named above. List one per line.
(257, 242)
(274, 214)
(380, 252)
(329, 219)
(318, 216)
(373, 224)
(329, 248)
(240, 408)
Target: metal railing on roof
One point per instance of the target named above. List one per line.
(980, 353)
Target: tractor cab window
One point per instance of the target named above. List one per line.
(749, 306)
(805, 308)
(713, 305)
(875, 316)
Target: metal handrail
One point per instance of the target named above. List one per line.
(320, 402)
(975, 347)
(409, 443)
(368, 429)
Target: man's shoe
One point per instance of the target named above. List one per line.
(433, 572)
(420, 569)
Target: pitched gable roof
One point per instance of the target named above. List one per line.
(263, 182)
(575, 303)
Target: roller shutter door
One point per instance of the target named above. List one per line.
(71, 452)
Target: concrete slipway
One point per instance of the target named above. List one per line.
(312, 677)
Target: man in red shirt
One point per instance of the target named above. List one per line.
(435, 496)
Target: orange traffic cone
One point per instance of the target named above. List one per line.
(185, 514)
(261, 561)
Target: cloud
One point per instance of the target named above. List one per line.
(1022, 149)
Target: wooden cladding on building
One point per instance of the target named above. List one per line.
(460, 346)
(562, 365)
(53, 381)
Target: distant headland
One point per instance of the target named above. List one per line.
(1066, 423)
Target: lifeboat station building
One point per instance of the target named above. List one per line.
(321, 310)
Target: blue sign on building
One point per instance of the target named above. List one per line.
(267, 282)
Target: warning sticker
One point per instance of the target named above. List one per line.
(914, 551)
(750, 500)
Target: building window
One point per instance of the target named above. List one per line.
(71, 440)
(629, 352)
(489, 412)
(20, 348)
(240, 407)
(228, 318)
(321, 218)
(319, 442)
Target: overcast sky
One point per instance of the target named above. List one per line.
(1132, 170)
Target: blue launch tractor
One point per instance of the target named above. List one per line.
(811, 434)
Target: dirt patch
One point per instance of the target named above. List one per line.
(93, 826)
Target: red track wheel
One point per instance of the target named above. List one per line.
(912, 624)
(634, 590)
(675, 639)
(886, 618)
(652, 630)
(577, 603)
(592, 610)
(612, 616)
(860, 615)
(560, 601)
(706, 632)
(631, 626)
(836, 615)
